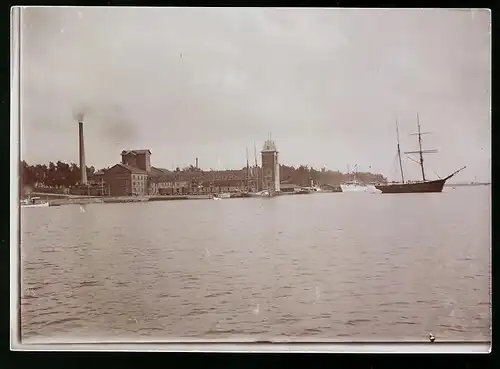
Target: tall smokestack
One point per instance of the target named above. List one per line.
(196, 163)
(83, 168)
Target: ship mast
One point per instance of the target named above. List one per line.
(256, 168)
(248, 169)
(420, 151)
(255, 154)
(399, 154)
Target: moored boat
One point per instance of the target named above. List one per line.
(353, 186)
(302, 191)
(245, 194)
(34, 202)
(415, 186)
(223, 195)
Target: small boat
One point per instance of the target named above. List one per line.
(353, 186)
(34, 202)
(317, 188)
(423, 186)
(245, 194)
(263, 193)
(224, 195)
(332, 188)
(302, 191)
(240, 194)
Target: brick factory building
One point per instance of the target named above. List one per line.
(137, 158)
(132, 176)
(135, 176)
(126, 180)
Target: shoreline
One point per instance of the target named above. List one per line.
(130, 199)
(62, 200)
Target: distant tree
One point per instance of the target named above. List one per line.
(191, 168)
(27, 174)
(68, 174)
(74, 174)
(41, 174)
(90, 172)
(51, 174)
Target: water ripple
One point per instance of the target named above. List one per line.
(329, 265)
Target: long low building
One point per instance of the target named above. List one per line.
(136, 176)
(198, 182)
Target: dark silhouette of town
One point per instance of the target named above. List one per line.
(61, 177)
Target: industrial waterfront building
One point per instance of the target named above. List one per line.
(198, 182)
(135, 176)
(126, 180)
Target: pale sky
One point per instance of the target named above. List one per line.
(328, 84)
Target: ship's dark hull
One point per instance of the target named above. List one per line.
(417, 187)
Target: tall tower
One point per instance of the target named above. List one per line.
(83, 168)
(270, 167)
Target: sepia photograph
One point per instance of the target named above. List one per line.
(248, 175)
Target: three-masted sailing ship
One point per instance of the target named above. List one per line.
(415, 186)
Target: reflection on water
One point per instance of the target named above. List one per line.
(339, 266)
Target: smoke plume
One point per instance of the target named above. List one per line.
(114, 124)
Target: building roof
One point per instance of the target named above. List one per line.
(160, 172)
(99, 173)
(226, 174)
(269, 146)
(135, 152)
(130, 168)
(227, 182)
(190, 175)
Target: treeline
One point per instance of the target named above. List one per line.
(303, 175)
(57, 174)
(60, 174)
(190, 168)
